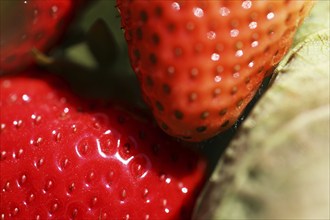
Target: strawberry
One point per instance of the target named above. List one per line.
(67, 158)
(200, 63)
(28, 24)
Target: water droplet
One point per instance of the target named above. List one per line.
(176, 6)
(184, 190)
(270, 15)
(198, 12)
(17, 123)
(251, 64)
(254, 44)
(36, 119)
(246, 4)
(211, 35)
(215, 57)
(65, 112)
(239, 53)
(224, 11)
(234, 32)
(168, 180)
(26, 98)
(36, 142)
(217, 79)
(253, 25)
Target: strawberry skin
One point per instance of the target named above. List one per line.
(31, 24)
(67, 158)
(200, 63)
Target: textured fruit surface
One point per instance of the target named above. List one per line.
(65, 158)
(286, 175)
(200, 62)
(31, 24)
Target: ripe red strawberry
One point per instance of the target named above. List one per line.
(200, 62)
(28, 24)
(66, 158)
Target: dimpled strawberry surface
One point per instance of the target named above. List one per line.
(201, 62)
(66, 158)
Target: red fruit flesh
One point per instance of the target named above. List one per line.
(201, 62)
(65, 158)
(31, 24)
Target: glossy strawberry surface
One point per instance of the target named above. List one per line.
(67, 158)
(201, 62)
(28, 24)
